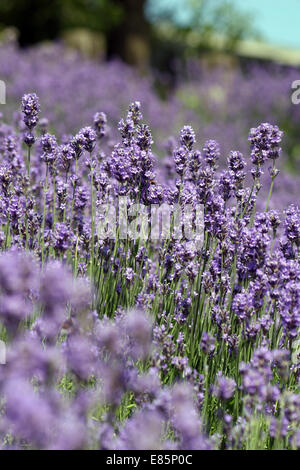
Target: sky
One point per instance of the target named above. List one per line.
(277, 21)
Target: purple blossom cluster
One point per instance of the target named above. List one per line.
(74, 83)
(127, 343)
(67, 371)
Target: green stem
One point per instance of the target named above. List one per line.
(28, 160)
(271, 188)
(73, 196)
(92, 217)
(54, 203)
(44, 214)
(269, 196)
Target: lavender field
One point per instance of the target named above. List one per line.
(185, 341)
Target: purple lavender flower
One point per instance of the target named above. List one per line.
(180, 159)
(242, 306)
(28, 138)
(77, 143)
(129, 274)
(88, 138)
(30, 109)
(292, 224)
(187, 137)
(224, 387)
(144, 138)
(134, 112)
(265, 140)
(100, 124)
(67, 155)
(49, 146)
(207, 343)
(211, 153)
(126, 129)
(62, 238)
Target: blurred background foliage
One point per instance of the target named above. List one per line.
(131, 29)
(163, 39)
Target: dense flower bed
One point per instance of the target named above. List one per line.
(219, 104)
(126, 343)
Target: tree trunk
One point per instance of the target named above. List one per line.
(36, 20)
(130, 39)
